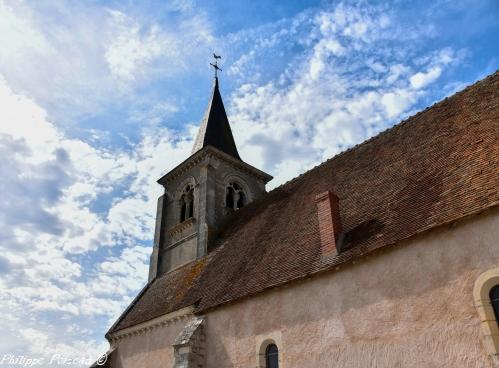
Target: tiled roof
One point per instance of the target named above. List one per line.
(166, 294)
(434, 168)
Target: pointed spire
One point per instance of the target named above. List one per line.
(215, 129)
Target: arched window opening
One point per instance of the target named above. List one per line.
(187, 203)
(235, 197)
(182, 211)
(241, 201)
(272, 356)
(229, 198)
(494, 299)
(191, 210)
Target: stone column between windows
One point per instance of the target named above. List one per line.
(206, 208)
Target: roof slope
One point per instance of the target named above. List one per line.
(215, 129)
(164, 295)
(436, 167)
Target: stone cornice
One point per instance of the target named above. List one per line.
(208, 152)
(147, 326)
(182, 226)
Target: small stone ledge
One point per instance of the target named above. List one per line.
(182, 226)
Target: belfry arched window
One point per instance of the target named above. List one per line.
(494, 300)
(272, 356)
(187, 203)
(235, 198)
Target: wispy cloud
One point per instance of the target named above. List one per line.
(136, 52)
(354, 79)
(78, 60)
(50, 184)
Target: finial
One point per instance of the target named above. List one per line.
(215, 66)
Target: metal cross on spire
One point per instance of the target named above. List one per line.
(215, 66)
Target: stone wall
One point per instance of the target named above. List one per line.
(176, 244)
(189, 346)
(408, 306)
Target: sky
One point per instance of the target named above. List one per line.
(98, 99)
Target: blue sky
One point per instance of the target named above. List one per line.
(99, 99)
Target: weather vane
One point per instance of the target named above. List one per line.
(215, 66)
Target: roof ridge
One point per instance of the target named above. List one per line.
(382, 133)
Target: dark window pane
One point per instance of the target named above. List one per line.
(191, 209)
(494, 299)
(241, 201)
(229, 199)
(182, 211)
(272, 356)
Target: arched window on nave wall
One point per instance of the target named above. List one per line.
(494, 300)
(272, 356)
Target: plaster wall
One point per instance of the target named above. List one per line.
(408, 306)
(150, 349)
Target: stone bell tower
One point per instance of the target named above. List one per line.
(210, 185)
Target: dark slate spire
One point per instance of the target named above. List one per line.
(215, 129)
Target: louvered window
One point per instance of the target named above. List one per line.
(234, 196)
(187, 204)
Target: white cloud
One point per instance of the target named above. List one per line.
(39, 55)
(18, 115)
(348, 85)
(422, 79)
(131, 51)
(437, 62)
(135, 51)
(78, 60)
(398, 101)
(50, 229)
(61, 177)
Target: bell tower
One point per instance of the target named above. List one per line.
(210, 185)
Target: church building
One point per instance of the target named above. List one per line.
(385, 255)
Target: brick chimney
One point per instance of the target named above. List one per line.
(328, 213)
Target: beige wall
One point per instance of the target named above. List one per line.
(410, 306)
(149, 349)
